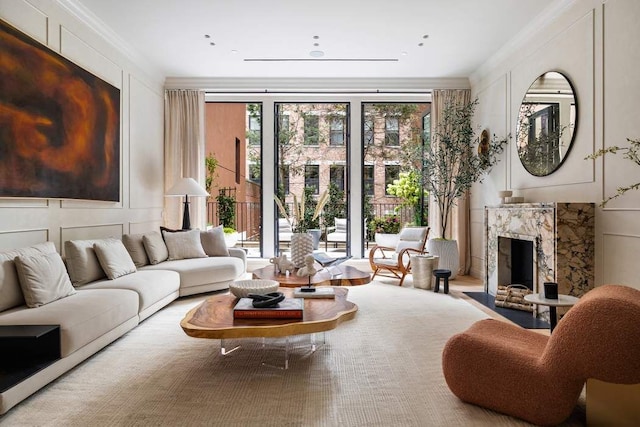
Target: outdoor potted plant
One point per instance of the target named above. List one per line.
(386, 230)
(301, 221)
(452, 167)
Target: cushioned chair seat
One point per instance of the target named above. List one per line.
(397, 261)
(522, 373)
(83, 316)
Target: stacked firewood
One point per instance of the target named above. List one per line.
(512, 296)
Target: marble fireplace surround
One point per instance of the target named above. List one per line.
(563, 243)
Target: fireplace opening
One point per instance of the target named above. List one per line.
(515, 262)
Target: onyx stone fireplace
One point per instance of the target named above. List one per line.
(533, 243)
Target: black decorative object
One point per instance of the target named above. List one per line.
(550, 290)
(267, 300)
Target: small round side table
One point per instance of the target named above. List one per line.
(562, 301)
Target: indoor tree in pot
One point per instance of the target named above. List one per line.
(451, 168)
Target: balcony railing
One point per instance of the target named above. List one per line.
(248, 218)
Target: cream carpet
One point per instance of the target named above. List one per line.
(381, 369)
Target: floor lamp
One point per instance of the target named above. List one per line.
(187, 187)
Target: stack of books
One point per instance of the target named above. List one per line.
(320, 292)
(289, 308)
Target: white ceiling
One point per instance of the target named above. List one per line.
(170, 34)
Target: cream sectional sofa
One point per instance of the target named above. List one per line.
(99, 310)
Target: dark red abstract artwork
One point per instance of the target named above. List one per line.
(59, 125)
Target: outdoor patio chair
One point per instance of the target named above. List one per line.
(284, 231)
(338, 233)
(396, 262)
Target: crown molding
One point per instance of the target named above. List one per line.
(537, 25)
(307, 84)
(95, 24)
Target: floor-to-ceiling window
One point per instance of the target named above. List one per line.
(392, 143)
(233, 170)
(311, 158)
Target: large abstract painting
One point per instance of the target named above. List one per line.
(59, 125)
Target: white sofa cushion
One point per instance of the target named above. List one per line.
(202, 271)
(114, 258)
(10, 291)
(184, 244)
(213, 242)
(135, 247)
(150, 285)
(83, 316)
(82, 262)
(155, 247)
(43, 278)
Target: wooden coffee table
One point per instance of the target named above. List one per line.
(340, 275)
(214, 318)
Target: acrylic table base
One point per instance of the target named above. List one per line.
(275, 352)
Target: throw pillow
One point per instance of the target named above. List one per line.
(135, 247)
(10, 291)
(213, 242)
(82, 262)
(114, 258)
(184, 245)
(43, 278)
(155, 247)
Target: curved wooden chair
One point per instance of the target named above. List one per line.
(396, 262)
(538, 378)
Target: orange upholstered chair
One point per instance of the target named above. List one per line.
(521, 373)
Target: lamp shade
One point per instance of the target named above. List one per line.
(187, 187)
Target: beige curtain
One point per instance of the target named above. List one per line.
(184, 152)
(459, 222)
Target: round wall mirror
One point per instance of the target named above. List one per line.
(546, 123)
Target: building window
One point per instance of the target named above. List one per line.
(312, 178)
(254, 130)
(368, 131)
(368, 180)
(391, 173)
(238, 152)
(336, 131)
(311, 129)
(284, 131)
(254, 173)
(336, 176)
(391, 131)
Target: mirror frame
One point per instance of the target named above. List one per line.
(546, 112)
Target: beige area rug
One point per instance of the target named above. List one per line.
(381, 369)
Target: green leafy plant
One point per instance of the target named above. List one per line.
(408, 188)
(305, 215)
(226, 208)
(632, 152)
(210, 164)
(389, 224)
(449, 159)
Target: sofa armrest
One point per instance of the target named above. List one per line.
(239, 253)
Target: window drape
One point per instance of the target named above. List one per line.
(184, 152)
(459, 228)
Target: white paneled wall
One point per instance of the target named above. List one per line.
(595, 43)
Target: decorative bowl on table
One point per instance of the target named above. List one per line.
(242, 288)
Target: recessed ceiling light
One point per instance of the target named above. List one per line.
(207, 36)
(234, 51)
(316, 53)
(420, 44)
(426, 36)
(212, 43)
(316, 37)
(316, 44)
